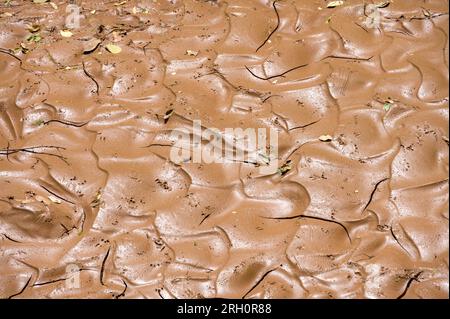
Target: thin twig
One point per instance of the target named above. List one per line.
(22, 290)
(56, 195)
(313, 217)
(103, 266)
(274, 30)
(275, 76)
(67, 123)
(92, 78)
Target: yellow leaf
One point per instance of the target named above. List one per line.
(325, 138)
(383, 4)
(334, 4)
(191, 53)
(66, 33)
(114, 49)
(55, 199)
(40, 1)
(34, 28)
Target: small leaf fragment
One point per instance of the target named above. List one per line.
(55, 199)
(22, 49)
(168, 115)
(334, 4)
(97, 200)
(34, 28)
(120, 3)
(387, 106)
(114, 49)
(383, 4)
(40, 1)
(65, 33)
(285, 168)
(426, 13)
(38, 122)
(34, 38)
(191, 52)
(325, 138)
(266, 158)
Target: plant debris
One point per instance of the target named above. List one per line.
(38, 122)
(167, 115)
(66, 33)
(191, 53)
(97, 200)
(34, 38)
(34, 28)
(326, 138)
(383, 4)
(55, 199)
(114, 49)
(334, 4)
(22, 48)
(285, 168)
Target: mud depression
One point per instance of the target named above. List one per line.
(91, 205)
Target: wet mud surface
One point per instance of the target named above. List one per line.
(86, 181)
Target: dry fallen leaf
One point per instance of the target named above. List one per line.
(55, 199)
(334, 4)
(285, 168)
(66, 33)
(383, 4)
(38, 122)
(114, 49)
(167, 115)
(97, 200)
(54, 6)
(40, 1)
(34, 28)
(325, 138)
(22, 48)
(191, 52)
